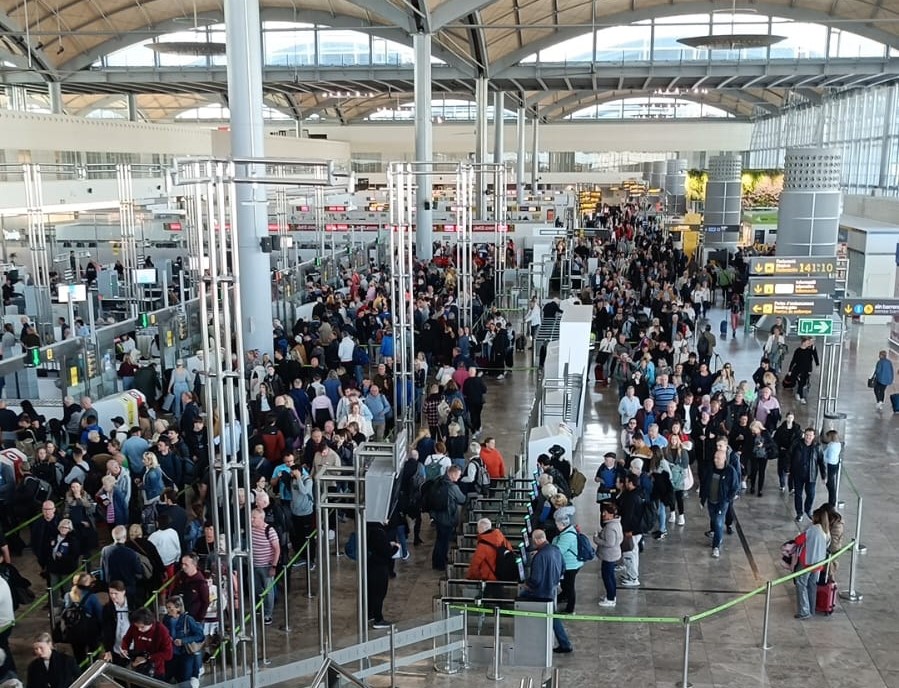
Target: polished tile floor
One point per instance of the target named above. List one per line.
(853, 647)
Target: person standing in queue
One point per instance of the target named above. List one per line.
(379, 559)
(447, 500)
(547, 567)
(50, 668)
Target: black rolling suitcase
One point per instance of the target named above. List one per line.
(894, 400)
(722, 328)
(519, 342)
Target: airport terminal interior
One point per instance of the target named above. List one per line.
(418, 342)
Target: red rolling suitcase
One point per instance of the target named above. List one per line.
(826, 599)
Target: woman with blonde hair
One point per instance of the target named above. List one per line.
(85, 637)
(151, 483)
(160, 428)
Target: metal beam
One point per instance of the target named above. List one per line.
(36, 57)
(450, 11)
(801, 14)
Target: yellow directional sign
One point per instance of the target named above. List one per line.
(791, 306)
(774, 266)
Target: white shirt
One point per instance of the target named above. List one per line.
(167, 544)
(345, 350)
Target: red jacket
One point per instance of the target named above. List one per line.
(155, 644)
(493, 462)
(483, 562)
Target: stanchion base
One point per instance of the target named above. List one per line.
(680, 684)
(841, 505)
(493, 677)
(862, 548)
(447, 669)
(849, 596)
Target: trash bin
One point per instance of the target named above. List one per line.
(834, 421)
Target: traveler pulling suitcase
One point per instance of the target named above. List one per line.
(826, 599)
(894, 400)
(722, 329)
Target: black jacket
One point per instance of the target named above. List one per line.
(108, 624)
(122, 563)
(803, 360)
(806, 462)
(60, 673)
(630, 507)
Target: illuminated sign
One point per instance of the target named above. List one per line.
(856, 307)
(775, 266)
(791, 306)
(789, 286)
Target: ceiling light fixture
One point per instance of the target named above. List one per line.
(190, 48)
(732, 40)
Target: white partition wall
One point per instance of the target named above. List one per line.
(574, 349)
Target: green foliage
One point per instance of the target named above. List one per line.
(761, 188)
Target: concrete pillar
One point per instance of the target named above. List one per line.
(480, 148)
(723, 196)
(424, 225)
(54, 91)
(809, 218)
(646, 171)
(519, 155)
(131, 102)
(675, 180)
(657, 177)
(535, 152)
(243, 31)
(499, 106)
(16, 98)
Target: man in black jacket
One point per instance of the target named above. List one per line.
(630, 508)
(43, 531)
(474, 389)
(378, 561)
(806, 464)
(804, 359)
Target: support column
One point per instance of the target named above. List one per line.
(16, 98)
(535, 152)
(54, 91)
(424, 152)
(499, 102)
(132, 108)
(519, 156)
(808, 220)
(480, 149)
(243, 31)
(723, 202)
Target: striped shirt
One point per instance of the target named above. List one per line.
(265, 540)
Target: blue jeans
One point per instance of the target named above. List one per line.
(663, 517)
(608, 579)
(401, 534)
(717, 512)
(809, 497)
(806, 593)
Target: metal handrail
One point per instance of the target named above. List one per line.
(103, 669)
(331, 670)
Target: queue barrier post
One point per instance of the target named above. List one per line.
(286, 598)
(768, 588)
(853, 595)
(261, 608)
(50, 604)
(685, 676)
(392, 655)
(494, 672)
(465, 663)
(308, 569)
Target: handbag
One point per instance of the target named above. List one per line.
(789, 382)
(627, 544)
(193, 647)
(688, 479)
(872, 381)
(168, 403)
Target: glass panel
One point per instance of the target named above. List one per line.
(336, 47)
(623, 43)
(288, 44)
(845, 44)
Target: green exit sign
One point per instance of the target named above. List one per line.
(821, 327)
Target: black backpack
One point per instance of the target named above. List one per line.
(434, 495)
(507, 565)
(75, 624)
(648, 517)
